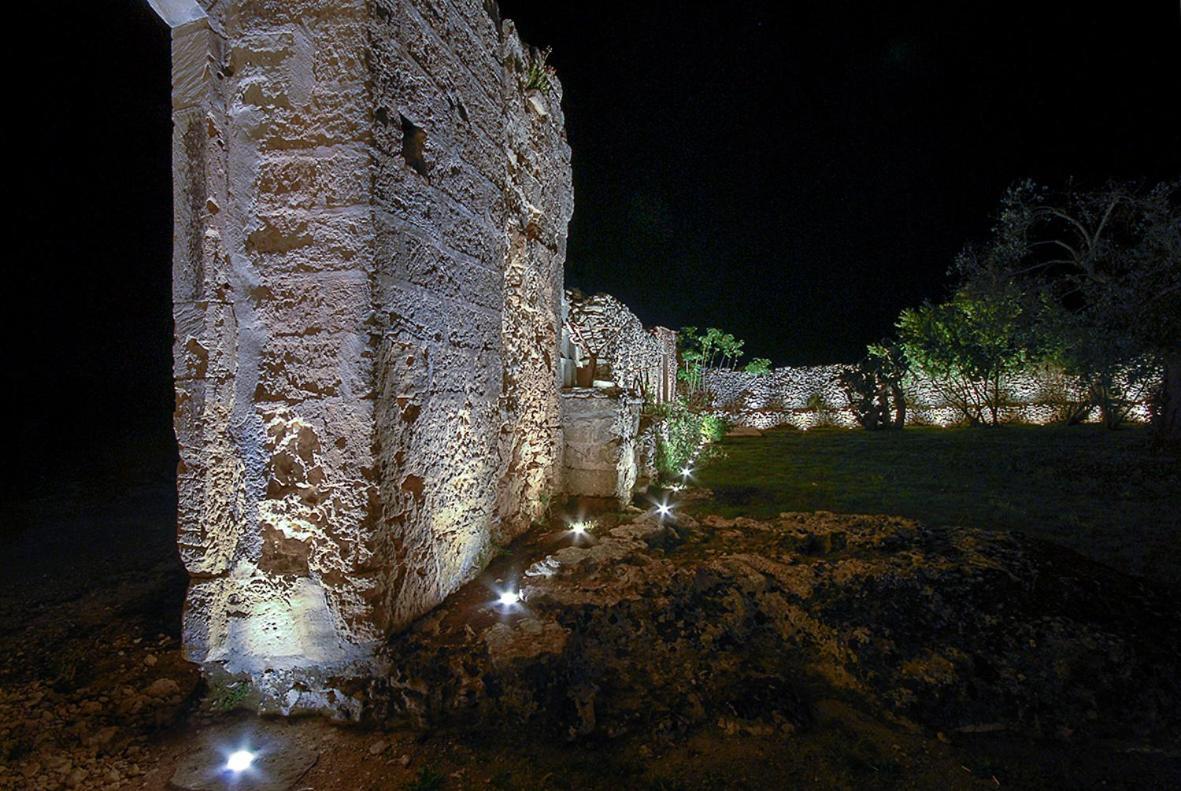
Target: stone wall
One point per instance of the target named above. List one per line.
(640, 360)
(370, 222)
(601, 431)
(782, 398)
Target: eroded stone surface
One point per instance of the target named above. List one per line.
(600, 429)
(371, 217)
(639, 360)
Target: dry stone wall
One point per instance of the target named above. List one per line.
(808, 396)
(606, 457)
(642, 361)
(370, 224)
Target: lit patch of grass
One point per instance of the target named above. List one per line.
(227, 697)
(1107, 495)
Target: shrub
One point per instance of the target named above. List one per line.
(825, 415)
(1070, 402)
(873, 386)
(759, 366)
(967, 348)
(680, 433)
(713, 428)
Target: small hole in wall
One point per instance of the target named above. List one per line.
(414, 147)
(457, 105)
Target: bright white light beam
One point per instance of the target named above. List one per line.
(509, 598)
(239, 761)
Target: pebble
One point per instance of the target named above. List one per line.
(377, 748)
(162, 688)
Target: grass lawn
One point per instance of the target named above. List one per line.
(1105, 494)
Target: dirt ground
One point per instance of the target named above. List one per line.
(114, 628)
(95, 695)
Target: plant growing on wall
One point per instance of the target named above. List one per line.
(538, 73)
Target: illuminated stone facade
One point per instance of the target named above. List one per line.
(639, 360)
(790, 396)
(607, 456)
(370, 226)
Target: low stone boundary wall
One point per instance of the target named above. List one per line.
(809, 396)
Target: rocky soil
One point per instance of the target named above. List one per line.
(812, 650)
(87, 681)
(660, 630)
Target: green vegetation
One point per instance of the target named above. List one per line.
(759, 366)
(681, 432)
(1107, 495)
(713, 428)
(225, 697)
(968, 347)
(1084, 285)
(1098, 276)
(538, 73)
(873, 386)
(711, 350)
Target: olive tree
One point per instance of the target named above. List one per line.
(1099, 276)
(967, 347)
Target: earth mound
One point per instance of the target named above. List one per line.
(662, 628)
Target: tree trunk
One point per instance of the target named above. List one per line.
(1168, 420)
(899, 407)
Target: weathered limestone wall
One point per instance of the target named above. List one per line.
(370, 230)
(601, 455)
(470, 249)
(782, 397)
(639, 360)
(605, 456)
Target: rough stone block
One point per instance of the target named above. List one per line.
(366, 377)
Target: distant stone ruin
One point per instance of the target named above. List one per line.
(620, 366)
(371, 206)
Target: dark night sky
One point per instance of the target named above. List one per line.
(793, 172)
(798, 172)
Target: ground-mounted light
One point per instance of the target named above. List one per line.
(686, 472)
(664, 509)
(579, 528)
(508, 599)
(239, 761)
